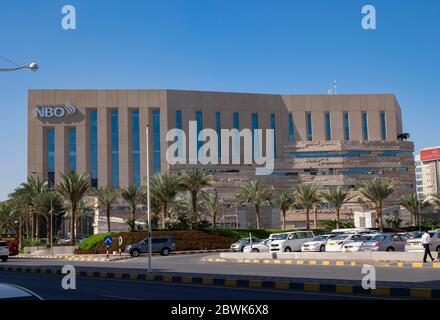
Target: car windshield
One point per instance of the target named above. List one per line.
(364, 238)
(341, 237)
(379, 237)
(319, 238)
(3, 244)
(281, 236)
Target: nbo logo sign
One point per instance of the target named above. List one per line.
(54, 111)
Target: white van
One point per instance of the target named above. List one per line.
(290, 241)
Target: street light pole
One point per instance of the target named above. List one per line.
(148, 199)
(32, 66)
(420, 219)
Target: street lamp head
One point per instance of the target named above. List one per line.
(33, 66)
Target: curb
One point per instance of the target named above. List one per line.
(326, 263)
(75, 258)
(425, 293)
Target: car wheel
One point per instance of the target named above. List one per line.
(135, 253)
(4, 259)
(437, 249)
(255, 250)
(165, 252)
(322, 248)
(287, 249)
(390, 249)
(242, 249)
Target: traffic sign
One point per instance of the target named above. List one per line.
(120, 241)
(108, 240)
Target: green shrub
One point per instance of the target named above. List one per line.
(329, 225)
(32, 242)
(92, 241)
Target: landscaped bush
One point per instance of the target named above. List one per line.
(32, 242)
(93, 241)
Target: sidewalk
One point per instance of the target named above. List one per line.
(88, 257)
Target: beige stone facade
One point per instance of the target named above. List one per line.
(304, 151)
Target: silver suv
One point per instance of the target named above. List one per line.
(162, 245)
(4, 251)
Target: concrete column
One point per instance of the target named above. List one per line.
(124, 164)
(104, 144)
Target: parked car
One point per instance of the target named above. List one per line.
(351, 230)
(357, 243)
(335, 244)
(415, 244)
(14, 292)
(259, 246)
(290, 241)
(385, 242)
(239, 245)
(413, 234)
(317, 243)
(4, 251)
(162, 245)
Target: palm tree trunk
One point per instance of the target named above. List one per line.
(214, 217)
(284, 219)
(162, 217)
(48, 228)
(34, 224)
(20, 233)
(413, 218)
(307, 219)
(257, 211)
(72, 225)
(194, 204)
(107, 213)
(337, 218)
(315, 217)
(379, 218)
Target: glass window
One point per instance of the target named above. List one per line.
(115, 148)
(364, 126)
(309, 127)
(329, 154)
(346, 126)
(93, 116)
(135, 144)
(156, 141)
(72, 149)
(199, 120)
(218, 129)
(383, 126)
(51, 155)
(272, 126)
(328, 129)
(255, 146)
(291, 129)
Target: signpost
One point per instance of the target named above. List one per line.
(108, 240)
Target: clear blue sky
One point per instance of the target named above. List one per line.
(230, 45)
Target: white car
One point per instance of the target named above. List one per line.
(4, 251)
(356, 244)
(290, 241)
(335, 244)
(415, 244)
(259, 246)
(317, 243)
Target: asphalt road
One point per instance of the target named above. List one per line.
(48, 286)
(423, 277)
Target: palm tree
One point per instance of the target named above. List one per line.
(374, 193)
(211, 204)
(164, 187)
(336, 197)
(254, 193)
(285, 201)
(194, 180)
(106, 198)
(46, 202)
(73, 187)
(131, 195)
(308, 197)
(25, 194)
(8, 217)
(435, 200)
(413, 203)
